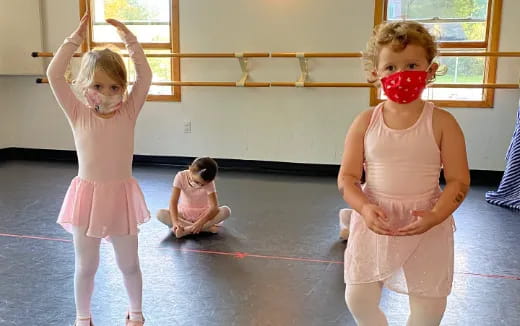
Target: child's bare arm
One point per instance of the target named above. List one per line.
(213, 208)
(174, 202)
(351, 168)
(350, 173)
(455, 163)
(210, 213)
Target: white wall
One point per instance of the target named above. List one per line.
(5, 135)
(7, 119)
(19, 20)
(275, 124)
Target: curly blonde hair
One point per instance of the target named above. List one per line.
(398, 35)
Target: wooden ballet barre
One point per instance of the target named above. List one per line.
(291, 54)
(220, 55)
(317, 55)
(173, 55)
(49, 54)
(479, 54)
(369, 85)
(44, 80)
(320, 84)
(222, 84)
(494, 86)
(359, 54)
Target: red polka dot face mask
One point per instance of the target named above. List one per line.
(404, 86)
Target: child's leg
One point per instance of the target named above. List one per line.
(125, 248)
(210, 226)
(363, 302)
(163, 215)
(344, 223)
(86, 263)
(223, 213)
(426, 311)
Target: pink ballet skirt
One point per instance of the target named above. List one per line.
(192, 214)
(420, 265)
(106, 208)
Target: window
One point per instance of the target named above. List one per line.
(156, 25)
(459, 26)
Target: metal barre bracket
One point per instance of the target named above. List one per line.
(304, 69)
(244, 67)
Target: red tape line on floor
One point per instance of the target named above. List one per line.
(242, 255)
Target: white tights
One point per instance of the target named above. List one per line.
(363, 302)
(87, 262)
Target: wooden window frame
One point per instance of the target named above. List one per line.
(173, 46)
(494, 15)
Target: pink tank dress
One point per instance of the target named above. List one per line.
(193, 201)
(104, 196)
(402, 169)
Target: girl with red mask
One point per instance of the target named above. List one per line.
(401, 225)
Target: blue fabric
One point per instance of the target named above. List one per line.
(508, 193)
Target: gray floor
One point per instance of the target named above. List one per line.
(278, 260)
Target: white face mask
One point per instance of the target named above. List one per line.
(101, 103)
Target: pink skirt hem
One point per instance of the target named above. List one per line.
(418, 265)
(105, 208)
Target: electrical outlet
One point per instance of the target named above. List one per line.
(187, 127)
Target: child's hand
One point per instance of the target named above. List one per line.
(376, 219)
(196, 227)
(425, 220)
(176, 227)
(83, 25)
(122, 30)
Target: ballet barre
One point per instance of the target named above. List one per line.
(292, 54)
(369, 85)
(211, 83)
(320, 84)
(479, 54)
(360, 54)
(304, 69)
(242, 58)
(303, 80)
(317, 54)
(44, 80)
(174, 55)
